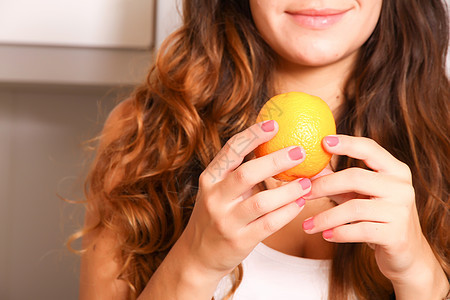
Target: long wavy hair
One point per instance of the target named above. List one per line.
(209, 80)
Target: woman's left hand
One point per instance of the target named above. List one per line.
(378, 207)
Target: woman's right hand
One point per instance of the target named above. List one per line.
(228, 221)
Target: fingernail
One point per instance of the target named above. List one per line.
(268, 126)
(308, 224)
(305, 183)
(327, 234)
(331, 140)
(296, 153)
(300, 201)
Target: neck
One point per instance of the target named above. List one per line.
(326, 82)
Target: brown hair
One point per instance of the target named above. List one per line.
(398, 95)
(208, 82)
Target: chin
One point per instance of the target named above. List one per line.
(318, 57)
(317, 60)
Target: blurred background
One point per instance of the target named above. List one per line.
(63, 66)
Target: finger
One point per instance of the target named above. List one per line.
(368, 232)
(355, 210)
(272, 222)
(341, 198)
(270, 200)
(324, 172)
(237, 147)
(256, 170)
(352, 180)
(367, 150)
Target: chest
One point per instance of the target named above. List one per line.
(269, 274)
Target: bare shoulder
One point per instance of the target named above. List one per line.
(100, 267)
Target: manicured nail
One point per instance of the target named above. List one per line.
(268, 126)
(331, 140)
(300, 201)
(327, 234)
(305, 183)
(308, 224)
(296, 153)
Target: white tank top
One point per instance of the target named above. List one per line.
(270, 274)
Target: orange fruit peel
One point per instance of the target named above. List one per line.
(303, 120)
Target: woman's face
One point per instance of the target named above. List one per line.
(315, 32)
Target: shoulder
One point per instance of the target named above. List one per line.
(101, 266)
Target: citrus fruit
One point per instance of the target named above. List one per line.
(303, 120)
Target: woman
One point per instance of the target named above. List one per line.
(176, 208)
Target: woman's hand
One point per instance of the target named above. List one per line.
(378, 207)
(228, 221)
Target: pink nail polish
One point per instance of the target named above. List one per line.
(296, 153)
(268, 126)
(305, 183)
(300, 201)
(308, 224)
(331, 140)
(327, 234)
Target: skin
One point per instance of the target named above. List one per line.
(233, 213)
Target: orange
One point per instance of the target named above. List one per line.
(303, 120)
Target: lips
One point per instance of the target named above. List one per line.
(317, 18)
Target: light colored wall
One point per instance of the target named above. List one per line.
(167, 18)
(42, 131)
